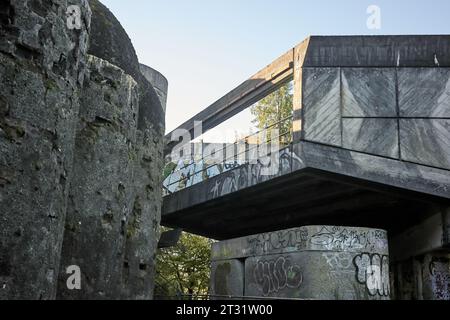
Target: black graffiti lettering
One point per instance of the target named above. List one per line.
(267, 242)
(275, 275)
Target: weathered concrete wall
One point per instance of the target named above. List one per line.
(317, 262)
(91, 148)
(143, 226)
(120, 163)
(41, 71)
(110, 42)
(424, 277)
(100, 198)
(421, 259)
(399, 113)
(142, 232)
(159, 83)
(227, 279)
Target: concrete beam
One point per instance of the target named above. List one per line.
(262, 83)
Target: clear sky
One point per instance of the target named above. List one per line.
(205, 48)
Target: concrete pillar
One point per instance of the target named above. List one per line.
(41, 72)
(421, 259)
(159, 83)
(315, 262)
(102, 189)
(436, 276)
(143, 227)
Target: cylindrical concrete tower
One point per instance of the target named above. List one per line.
(158, 81)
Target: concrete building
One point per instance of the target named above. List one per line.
(371, 149)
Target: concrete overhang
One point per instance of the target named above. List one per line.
(389, 183)
(324, 185)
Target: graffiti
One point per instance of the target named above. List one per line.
(440, 278)
(233, 176)
(275, 275)
(230, 182)
(243, 176)
(339, 260)
(373, 271)
(339, 238)
(215, 189)
(269, 242)
(232, 165)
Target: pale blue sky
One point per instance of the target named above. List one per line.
(206, 48)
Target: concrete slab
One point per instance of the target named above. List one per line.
(322, 106)
(426, 141)
(369, 92)
(370, 135)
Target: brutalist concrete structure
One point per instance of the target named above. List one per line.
(81, 139)
(370, 149)
(315, 262)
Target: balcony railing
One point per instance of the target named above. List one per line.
(199, 166)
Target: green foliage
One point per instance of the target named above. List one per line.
(274, 108)
(168, 169)
(185, 268)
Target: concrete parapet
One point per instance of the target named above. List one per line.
(315, 262)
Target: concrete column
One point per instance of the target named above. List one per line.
(316, 262)
(143, 227)
(41, 72)
(101, 193)
(159, 83)
(421, 259)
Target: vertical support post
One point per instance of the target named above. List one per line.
(299, 56)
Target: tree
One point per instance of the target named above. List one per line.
(274, 108)
(185, 268)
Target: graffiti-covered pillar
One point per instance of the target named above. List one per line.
(421, 259)
(315, 262)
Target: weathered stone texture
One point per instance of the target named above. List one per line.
(102, 186)
(424, 92)
(143, 227)
(109, 41)
(322, 105)
(426, 141)
(41, 70)
(368, 92)
(88, 161)
(369, 135)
